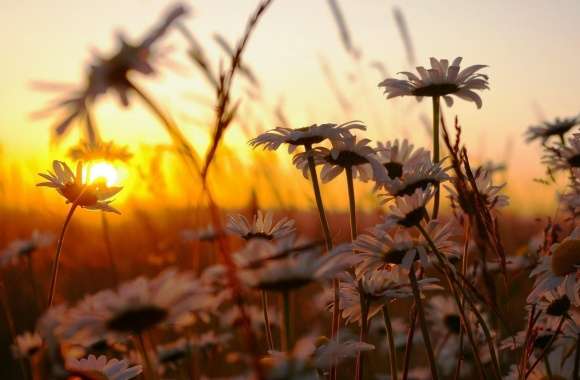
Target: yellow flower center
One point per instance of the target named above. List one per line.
(565, 257)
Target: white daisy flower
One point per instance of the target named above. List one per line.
(380, 287)
(397, 155)
(382, 249)
(489, 192)
(558, 127)
(313, 134)
(346, 152)
(25, 247)
(441, 79)
(330, 352)
(26, 345)
(561, 268)
(408, 210)
(417, 175)
(557, 303)
(137, 306)
(94, 196)
(262, 226)
(298, 269)
(564, 156)
(207, 233)
(101, 368)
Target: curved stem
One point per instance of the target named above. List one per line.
(436, 158)
(56, 263)
(391, 340)
(109, 248)
(268, 329)
(423, 323)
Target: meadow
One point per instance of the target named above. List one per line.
(314, 251)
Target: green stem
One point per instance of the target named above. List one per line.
(391, 341)
(109, 248)
(423, 323)
(56, 263)
(287, 335)
(267, 327)
(436, 158)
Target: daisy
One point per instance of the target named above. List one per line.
(564, 156)
(489, 193)
(99, 150)
(26, 345)
(441, 79)
(306, 136)
(101, 368)
(444, 315)
(25, 247)
(295, 365)
(298, 270)
(112, 72)
(561, 268)
(417, 175)
(396, 156)
(93, 196)
(137, 306)
(330, 352)
(382, 249)
(546, 130)
(348, 154)
(380, 287)
(261, 228)
(556, 303)
(408, 210)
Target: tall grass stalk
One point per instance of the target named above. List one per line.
(436, 158)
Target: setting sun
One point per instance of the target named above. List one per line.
(103, 170)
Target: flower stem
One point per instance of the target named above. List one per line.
(269, 339)
(391, 340)
(351, 203)
(328, 239)
(109, 248)
(423, 323)
(436, 158)
(56, 263)
(548, 346)
(149, 371)
(287, 335)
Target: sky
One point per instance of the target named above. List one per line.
(531, 48)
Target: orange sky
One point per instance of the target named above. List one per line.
(531, 48)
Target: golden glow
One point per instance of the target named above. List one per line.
(106, 171)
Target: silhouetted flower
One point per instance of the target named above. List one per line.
(547, 129)
(408, 210)
(25, 247)
(261, 227)
(101, 368)
(441, 79)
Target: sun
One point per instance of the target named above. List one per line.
(103, 171)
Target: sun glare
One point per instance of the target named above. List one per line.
(103, 171)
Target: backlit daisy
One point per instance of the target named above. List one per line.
(441, 79)
(558, 127)
(489, 193)
(408, 210)
(396, 155)
(349, 154)
(557, 303)
(26, 345)
(417, 175)
(561, 268)
(313, 134)
(93, 368)
(94, 196)
(299, 269)
(25, 247)
(564, 156)
(262, 226)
